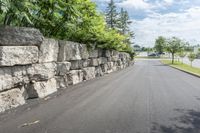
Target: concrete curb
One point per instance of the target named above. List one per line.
(198, 76)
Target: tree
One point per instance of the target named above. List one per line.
(160, 44)
(173, 46)
(182, 54)
(191, 57)
(73, 20)
(123, 26)
(124, 22)
(112, 19)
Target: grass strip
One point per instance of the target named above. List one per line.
(183, 67)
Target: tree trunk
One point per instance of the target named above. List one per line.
(172, 58)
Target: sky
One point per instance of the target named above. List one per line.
(168, 18)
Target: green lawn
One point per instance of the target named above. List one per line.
(183, 67)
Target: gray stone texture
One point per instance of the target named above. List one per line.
(98, 71)
(18, 55)
(42, 72)
(11, 99)
(78, 64)
(33, 67)
(93, 53)
(62, 82)
(88, 73)
(102, 60)
(72, 51)
(75, 77)
(94, 62)
(41, 89)
(48, 51)
(63, 68)
(12, 77)
(13, 36)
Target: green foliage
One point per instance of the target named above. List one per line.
(174, 45)
(182, 54)
(74, 20)
(119, 24)
(160, 44)
(123, 26)
(15, 12)
(112, 19)
(191, 57)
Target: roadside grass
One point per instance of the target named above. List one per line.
(183, 67)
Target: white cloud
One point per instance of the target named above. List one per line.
(135, 4)
(185, 25)
(169, 1)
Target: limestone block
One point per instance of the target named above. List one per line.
(72, 51)
(42, 72)
(94, 62)
(88, 73)
(48, 51)
(110, 65)
(75, 77)
(102, 60)
(98, 71)
(20, 36)
(6, 80)
(13, 77)
(83, 51)
(11, 99)
(63, 68)
(41, 89)
(115, 53)
(78, 64)
(19, 75)
(18, 55)
(119, 62)
(114, 68)
(62, 82)
(114, 58)
(104, 68)
(93, 53)
(107, 53)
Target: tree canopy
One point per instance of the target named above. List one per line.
(172, 45)
(73, 20)
(160, 44)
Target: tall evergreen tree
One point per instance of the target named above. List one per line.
(124, 19)
(112, 15)
(123, 25)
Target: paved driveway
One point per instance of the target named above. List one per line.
(145, 98)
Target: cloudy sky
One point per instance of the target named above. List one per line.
(152, 18)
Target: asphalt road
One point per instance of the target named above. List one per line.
(145, 98)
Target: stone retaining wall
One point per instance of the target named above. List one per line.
(32, 66)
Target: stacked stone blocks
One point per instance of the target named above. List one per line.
(32, 66)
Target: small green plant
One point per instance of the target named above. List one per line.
(191, 57)
(182, 54)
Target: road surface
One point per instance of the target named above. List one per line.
(145, 98)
